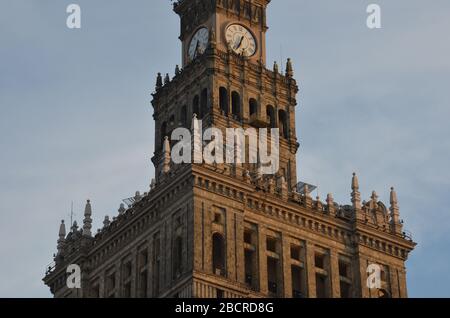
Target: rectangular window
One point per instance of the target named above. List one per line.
(321, 286)
(271, 244)
(344, 269)
(143, 281)
(297, 282)
(345, 290)
(127, 290)
(272, 276)
(251, 269)
(127, 268)
(319, 261)
(110, 284)
(296, 252)
(248, 237)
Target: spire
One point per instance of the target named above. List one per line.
(166, 79)
(87, 222)
(177, 70)
(396, 224)
(289, 69)
(166, 155)
(159, 82)
(62, 237)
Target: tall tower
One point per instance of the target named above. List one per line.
(225, 229)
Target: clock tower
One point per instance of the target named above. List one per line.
(227, 230)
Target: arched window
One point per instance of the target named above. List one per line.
(183, 116)
(177, 257)
(204, 103)
(236, 105)
(282, 117)
(223, 100)
(218, 254)
(253, 107)
(196, 106)
(271, 116)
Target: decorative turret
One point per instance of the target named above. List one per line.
(62, 237)
(87, 222)
(289, 69)
(356, 199)
(396, 224)
(166, 79)
(177, 70)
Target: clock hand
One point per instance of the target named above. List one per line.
(240, 43)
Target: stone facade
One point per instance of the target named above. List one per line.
(224, 230)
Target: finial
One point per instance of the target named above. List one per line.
(159, 82)
(306, 189)
(62, 238)
(275, 67)
(106, 221)
(355, 182)
(62, 230)
(177, 70)
(166, 78)
(330, 204)
(393, 197)
(356, 196)
(87, 222)
(374, 197)
(153, 184)
(122, 209)
(74, 227)
(289, 69)
(330, 199)
(396, 223)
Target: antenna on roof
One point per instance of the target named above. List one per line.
(71, 213)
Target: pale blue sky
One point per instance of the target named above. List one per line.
(76, 120)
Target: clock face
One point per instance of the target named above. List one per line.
(241, 40)
(198, 43)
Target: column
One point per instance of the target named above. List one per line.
(334, 275)
(310, 270)
(262, 260)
